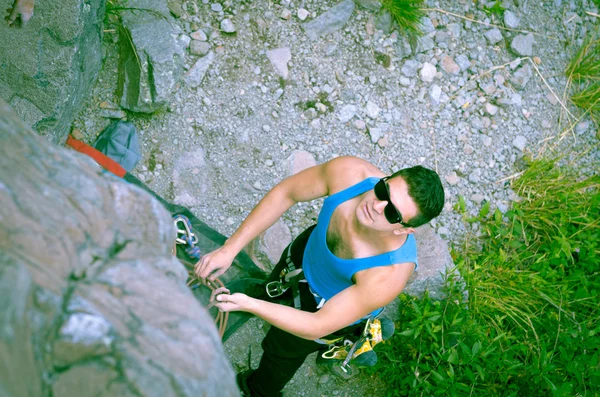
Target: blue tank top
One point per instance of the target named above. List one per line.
(327, 275)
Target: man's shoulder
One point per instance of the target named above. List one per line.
(345, 171)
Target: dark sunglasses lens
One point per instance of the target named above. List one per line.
(390, 214)
(381, 191)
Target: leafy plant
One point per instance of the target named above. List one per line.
(531, 323)
(407, 13)
(496, 9)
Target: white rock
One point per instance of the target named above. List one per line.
(375, 134)
(493, 35)
(519, 142)
(452, 178)
(428, 72)
(346, 113)
(279, 59)
(298, 161)
(227, 26)
(491, 109)
(302, 14)
(511, 19)
(435, 93)
(372, 110)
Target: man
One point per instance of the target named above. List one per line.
(356, 260)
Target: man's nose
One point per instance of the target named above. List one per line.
(379, 205)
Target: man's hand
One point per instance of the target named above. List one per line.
(213, 264)
(221, 299)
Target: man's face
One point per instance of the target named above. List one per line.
(371, 210)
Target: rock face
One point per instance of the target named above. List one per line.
(150, 56)
(434, 263)
(330, 21)
(48, 67)
(92, 300)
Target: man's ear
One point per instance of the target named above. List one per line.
(404, 230)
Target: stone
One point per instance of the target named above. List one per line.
(450, 66)
(384, 22)
(402, 48)
(435, 264)
(552, 98)
(49, 67)
(454, 29)
(320, 107)
(346, 113)
(216, 7)
(274, 240)
(511, 19)
(310, 113)
(375, 134)
(519, 142)
(477, 198)
(150, 57)
(468, 149)
(330, 21)
(227, 26)
(522, 44)
(298, 161)
(422, 44)
(410, 67)
(372, 110)
(197, 72)
(463, 61)
(426, 25)
(100, 271)
(360, 125)
(279, 58)
(372, 5)
(302, 14)
(521, 77)
(491, 109)
(175, 8)
(428, 72)
(199, 35)
(493, 36)
(452, 178)
(435, 93)
(286, 14)
(200, 48)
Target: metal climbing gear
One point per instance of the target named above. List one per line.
(185, 236)
(289, 277)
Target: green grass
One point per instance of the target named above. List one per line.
(531, 324)
(584, 74)
(407, 13)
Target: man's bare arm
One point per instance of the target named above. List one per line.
(372, 292)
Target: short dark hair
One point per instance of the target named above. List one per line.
(425, 188)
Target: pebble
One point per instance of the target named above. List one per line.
(320, 107)
(477, 198)
(200, 48)
(360, 125)
(511, 20)
(468, 149)
(286, 14)
(463, 61)
(428, 72)
(227, 26)
(519, 142)
(450, 66)
(310, 113)
(523, 44)
(346, 113)
(372, 110)
(521, 77)
(493, 36)
(266, 128)
(302, 14)
(491, 109)
(410, 67)
(452, 178)
(375, 134)
(279, 59)
(199, 35)
(435, 93)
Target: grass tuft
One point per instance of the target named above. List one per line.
(407, 13)
(584, 72)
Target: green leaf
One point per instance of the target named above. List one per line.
(453, 357)
(437, 375)
(476, 348)
(484, 210)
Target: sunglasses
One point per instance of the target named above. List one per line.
(382, 192)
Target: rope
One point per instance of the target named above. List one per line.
(189, 239)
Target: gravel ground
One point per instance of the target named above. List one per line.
(464, 104)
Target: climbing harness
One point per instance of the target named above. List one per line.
(289, 277)
(188, 239)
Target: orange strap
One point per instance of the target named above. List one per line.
(103, 160)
